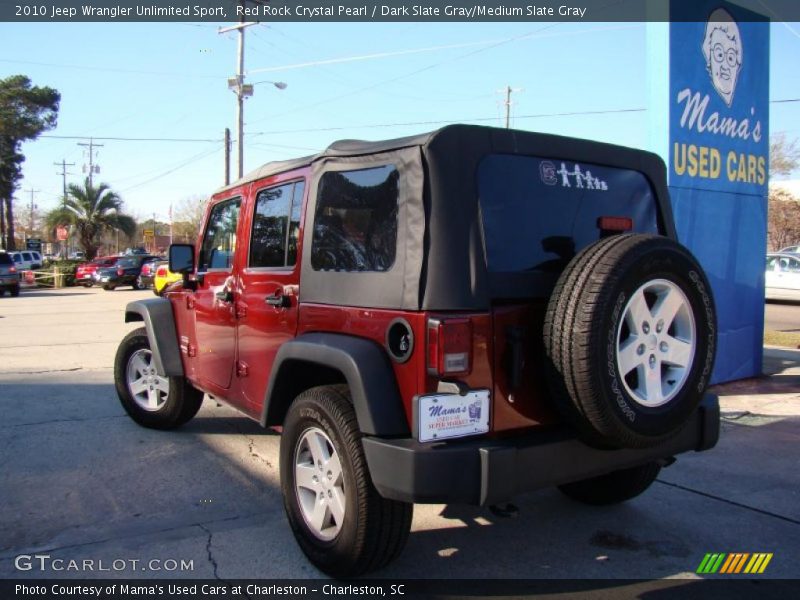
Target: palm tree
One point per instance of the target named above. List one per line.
(93, 211)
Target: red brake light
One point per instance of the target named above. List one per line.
(120, 272)
(449, 347)
(162, 271)
(615, 224)
(12, 269)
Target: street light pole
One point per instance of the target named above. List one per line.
(242, 91)
(237, 85)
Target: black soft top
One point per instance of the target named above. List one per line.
(444, 263)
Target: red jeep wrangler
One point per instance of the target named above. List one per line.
(456, 317)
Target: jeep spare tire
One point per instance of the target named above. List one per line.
(630, 336)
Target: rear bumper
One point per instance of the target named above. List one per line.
(485, 471)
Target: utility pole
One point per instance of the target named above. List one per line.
(64, 164)
(32, 208)
(508, 91)
(227, 156)
(239, 87)
(91, 145)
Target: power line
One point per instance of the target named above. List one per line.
(110, 69)
(129, 139)
(447, 121)
(416, 72)
(189, 161)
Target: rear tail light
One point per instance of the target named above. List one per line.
(146, 270)
(120, 272)
(12, 269)
(615, 224)
(449, 347)
(161, 272)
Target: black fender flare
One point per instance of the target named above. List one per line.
(159, 322)
(364, 366)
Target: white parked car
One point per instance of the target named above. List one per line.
(27, 260)
(782, 279)
(790, 250)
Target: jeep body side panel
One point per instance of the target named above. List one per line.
(156, 313)
(365, 368)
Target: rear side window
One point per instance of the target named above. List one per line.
(219, 240)
(540, 212)
(355, 225)
(276, 226)
(127, 263)
(27, 256)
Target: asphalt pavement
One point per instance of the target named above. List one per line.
(782, 316)
(80, 481)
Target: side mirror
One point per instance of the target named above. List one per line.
(181, 258)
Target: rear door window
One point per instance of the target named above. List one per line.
(355, 225)
(540, 212)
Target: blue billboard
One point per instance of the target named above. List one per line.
(717, 152)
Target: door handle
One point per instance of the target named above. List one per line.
(279, 301)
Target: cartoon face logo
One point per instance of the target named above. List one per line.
(547, 172)
(722, 48)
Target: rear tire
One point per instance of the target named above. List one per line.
(340, 521)
(151, 400)
(614, 487)
(88, 284)
(108, 288)
(137, 284)
(14, 291)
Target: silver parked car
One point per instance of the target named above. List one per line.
(782, 278)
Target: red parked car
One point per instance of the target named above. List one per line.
(84, 272)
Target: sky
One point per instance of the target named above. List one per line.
(168, 82)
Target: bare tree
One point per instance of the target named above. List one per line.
(187, 217)
(783, 227)
(784, 154)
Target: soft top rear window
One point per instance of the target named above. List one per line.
(540, 212)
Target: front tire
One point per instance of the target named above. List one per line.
(149, 399)
(341, 523)
(614, 487)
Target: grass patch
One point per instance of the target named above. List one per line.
(782, 338)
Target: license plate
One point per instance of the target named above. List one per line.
(445, 416)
